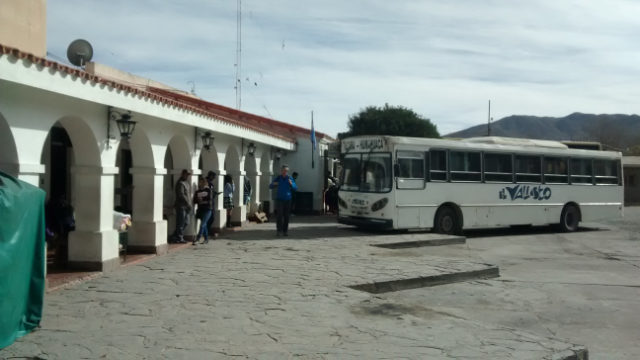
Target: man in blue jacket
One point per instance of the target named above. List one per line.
(286, 184)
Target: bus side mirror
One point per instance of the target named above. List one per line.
(396, 170)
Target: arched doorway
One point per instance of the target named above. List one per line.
(74, 174)
(138, 192)
(232, 167)
(178, 158)
(251, 200)
(265, 179)
(8, 150)
(209, 162)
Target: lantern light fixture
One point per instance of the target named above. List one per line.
(125, 125)
(251, 148)
(207, 140)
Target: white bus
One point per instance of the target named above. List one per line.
(447, 185)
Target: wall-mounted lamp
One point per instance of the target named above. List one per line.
(124, 122)
(277, 154)
(251, 148)
(207, 140)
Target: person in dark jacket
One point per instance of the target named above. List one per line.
(229, 189)
(248, 190)
(211, 177)
(203, 199)
(182, 206)
(286, 184)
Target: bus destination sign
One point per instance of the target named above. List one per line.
(364, 144)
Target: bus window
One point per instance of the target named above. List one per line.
(377, 171)
(411, 170)
(555, 170)
(581, 171)
(498, 168)
(351, 172)
(465, 166)
(606, 172)
(438, 171)
(528, 169)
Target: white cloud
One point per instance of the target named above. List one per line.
(443, 59)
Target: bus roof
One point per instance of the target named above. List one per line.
(488, 142)
(497, 140)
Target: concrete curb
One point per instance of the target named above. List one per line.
(382, 287)
(450, 240)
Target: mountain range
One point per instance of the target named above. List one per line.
(618, 131)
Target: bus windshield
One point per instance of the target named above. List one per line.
(367, 173)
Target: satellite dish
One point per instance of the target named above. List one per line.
(80, 52)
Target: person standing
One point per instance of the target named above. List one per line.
(203, 199)
(182, 206)
(211, 177)
(248, 190)
(286, 184)
(229, 189)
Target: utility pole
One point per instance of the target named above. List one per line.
(489, 120)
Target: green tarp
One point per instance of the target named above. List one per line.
(22, 258)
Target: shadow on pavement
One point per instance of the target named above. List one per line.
(516, 231)
(310, 232)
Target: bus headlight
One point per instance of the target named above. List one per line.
(379, 204)
(342, 203)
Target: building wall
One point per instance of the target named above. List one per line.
(23, 25)
(310, 178)
(631, 186)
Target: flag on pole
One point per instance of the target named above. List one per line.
(313, 142)
(313, 134)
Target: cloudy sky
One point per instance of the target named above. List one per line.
(444, 59)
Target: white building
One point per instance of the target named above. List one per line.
(56, 133)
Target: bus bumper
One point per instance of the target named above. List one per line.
(366, 222)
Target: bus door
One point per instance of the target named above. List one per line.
(410, 189)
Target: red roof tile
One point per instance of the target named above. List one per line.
(172, 101)
(256, 120)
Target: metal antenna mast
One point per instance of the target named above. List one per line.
(239, 56)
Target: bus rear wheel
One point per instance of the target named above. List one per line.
(569, 219)
(446, 221)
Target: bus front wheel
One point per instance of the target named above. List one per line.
(569, 219)
(446, 221)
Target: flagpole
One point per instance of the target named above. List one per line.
(312, 145)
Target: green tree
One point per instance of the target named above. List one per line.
(389, 120)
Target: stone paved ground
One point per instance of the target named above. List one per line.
(252, 295)
(583, 286)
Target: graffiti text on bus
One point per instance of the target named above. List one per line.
(526, 192)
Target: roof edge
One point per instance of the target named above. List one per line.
(11, 51)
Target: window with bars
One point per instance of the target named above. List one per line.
(438, 165)
(498, 168)
(555, 170)
(581, 171)
(528, 169)
(465, 166)
(606, 172)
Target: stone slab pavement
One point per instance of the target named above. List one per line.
(252, 295)
(583, 286)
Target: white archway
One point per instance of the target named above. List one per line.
(265, 180)
(8, 149)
